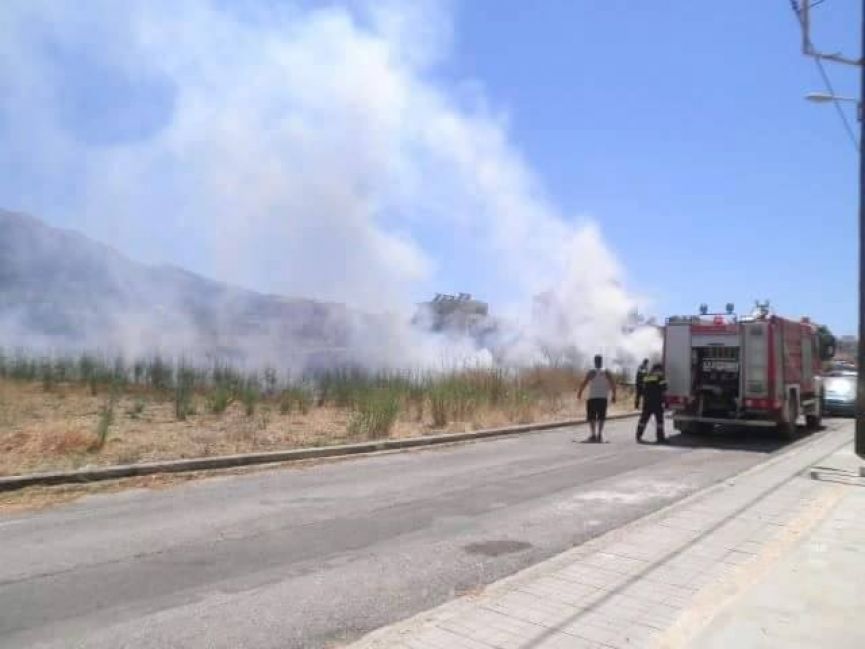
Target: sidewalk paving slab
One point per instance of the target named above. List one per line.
(815, 595)
(660, 581)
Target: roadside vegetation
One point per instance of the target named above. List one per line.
(65, 412)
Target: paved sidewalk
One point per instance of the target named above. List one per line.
(813, 597)
(661, 581)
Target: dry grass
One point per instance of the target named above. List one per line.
(58, 428)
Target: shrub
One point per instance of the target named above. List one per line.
(119, 375)
(250, 396)
(415, 397)
(520, 405)
(183, 391)
(139, 372)
(87, 371)
(456, 398)
(226, 376)
(219, 399)
(551, 382)
(64, 369)
(375, 415)
(159, 374)
(23, 368)
(46, 372)
(106, 419)
(295, 398)
(343, 387)
(270, 381)
(439, 406)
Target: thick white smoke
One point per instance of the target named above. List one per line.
(300, 149)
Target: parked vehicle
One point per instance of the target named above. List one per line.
(759, 370)
(839, 393)
(841, 366)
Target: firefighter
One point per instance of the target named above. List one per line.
(654, 387)
(641, 376)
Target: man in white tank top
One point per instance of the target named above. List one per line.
(601, 386)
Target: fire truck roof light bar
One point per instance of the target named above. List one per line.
(729, 309)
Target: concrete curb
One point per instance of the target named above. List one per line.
(13, 482)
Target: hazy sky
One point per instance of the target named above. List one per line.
(357, 150)
(680, 126)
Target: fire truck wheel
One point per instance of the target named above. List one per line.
(787, 425)
(815, 419)
(697, 428)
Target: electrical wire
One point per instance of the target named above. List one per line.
(826, 81)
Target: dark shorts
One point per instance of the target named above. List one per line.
(596, 409)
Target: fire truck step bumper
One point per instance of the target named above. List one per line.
(763, 423)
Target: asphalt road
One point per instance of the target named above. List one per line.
(316, 556)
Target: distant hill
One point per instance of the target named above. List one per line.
(60, 290)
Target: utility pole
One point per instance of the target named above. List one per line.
(860, 356)
(809, 50)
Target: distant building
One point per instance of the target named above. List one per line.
(453, 313)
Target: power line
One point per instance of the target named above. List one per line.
(826, 81)
(837, 104)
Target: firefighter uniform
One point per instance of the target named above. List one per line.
(639, 383)
(654, 387)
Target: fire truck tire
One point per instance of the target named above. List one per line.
(697, 428)
(815, 419)
(787, 425)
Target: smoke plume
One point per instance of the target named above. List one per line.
(300, 149)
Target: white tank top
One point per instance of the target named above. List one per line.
(599, 385)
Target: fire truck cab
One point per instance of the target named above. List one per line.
(760, 370)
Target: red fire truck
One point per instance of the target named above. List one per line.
(758, 370)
